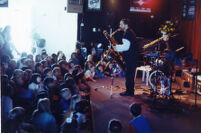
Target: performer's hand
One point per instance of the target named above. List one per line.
(114, 47)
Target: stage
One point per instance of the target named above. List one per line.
(172, 114)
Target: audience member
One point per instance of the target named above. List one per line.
(94, 55)
(90, 58)
(114, 126)
(80, 57)
(65, 99)
(37, 58)
(47, 72)
(35, 83)
(42, 118)
(63, 89)
(54, 58)
(63, 67)
(88, 65)
(44, 63)
(75, 99)
(15, 119)
(90, 73)
(74, 58)
(39, 68)
(44, 54)
(80, 111)
(139, 123)
(12, 65)
(82, 85)
(100, 71)
(57, 75)
(6, 98)
(29, 74)
(109, 71)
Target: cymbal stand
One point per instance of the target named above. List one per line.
(196, 73)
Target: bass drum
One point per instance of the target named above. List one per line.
(159, 83)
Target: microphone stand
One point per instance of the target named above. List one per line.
(111, 86)
(196, 73)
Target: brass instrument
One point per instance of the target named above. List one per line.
(115, 55)
(113, 33)
(155, 41)
(179, 49)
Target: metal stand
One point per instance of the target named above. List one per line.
(196, 73)
(111, 86)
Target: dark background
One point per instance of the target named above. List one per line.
(112, 11)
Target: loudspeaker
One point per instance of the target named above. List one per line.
(75, 6)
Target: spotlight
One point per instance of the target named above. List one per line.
(94, 29)
(140, 2)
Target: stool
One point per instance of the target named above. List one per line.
(144, 69)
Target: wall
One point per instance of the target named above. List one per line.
(113, 11)
(189, 30)
(47, 18)
(58, 27)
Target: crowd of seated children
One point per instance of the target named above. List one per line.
(43, 91)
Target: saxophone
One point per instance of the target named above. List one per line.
(115, 55)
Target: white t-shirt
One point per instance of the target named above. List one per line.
(34, 87)
(88, 74)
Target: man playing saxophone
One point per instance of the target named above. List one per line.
(129, 53)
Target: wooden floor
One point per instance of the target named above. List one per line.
(175, 114)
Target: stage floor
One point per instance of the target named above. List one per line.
(174, 115)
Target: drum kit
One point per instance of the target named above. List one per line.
(160, 78)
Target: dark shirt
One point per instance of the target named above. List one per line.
(141, 124)
(45, 122)
(65, 105)
(95, 58)
(81, 59)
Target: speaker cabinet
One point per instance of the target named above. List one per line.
(75, 6)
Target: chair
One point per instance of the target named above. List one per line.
(144, 69)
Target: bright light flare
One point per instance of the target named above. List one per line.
(21, 31)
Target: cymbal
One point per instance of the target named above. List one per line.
(152, 54)
(148, 52)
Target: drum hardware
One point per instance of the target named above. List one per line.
(179, 49)
(159, 80)
(155, 41)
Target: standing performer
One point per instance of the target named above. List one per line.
(129, 50)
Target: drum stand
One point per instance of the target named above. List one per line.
(195, 75)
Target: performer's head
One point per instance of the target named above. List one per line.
(124, 24)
